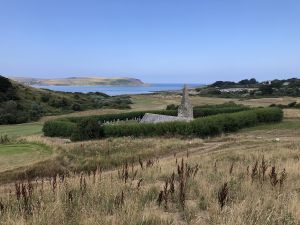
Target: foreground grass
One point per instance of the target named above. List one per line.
(131, 194)
(86, 156)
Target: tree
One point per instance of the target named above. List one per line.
(266, 89)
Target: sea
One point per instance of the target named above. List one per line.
(120, 90)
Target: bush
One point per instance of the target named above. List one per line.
(76, 107)
(267, 115)
(87, 129)
(59, 128)
(292, 104)
(172, 107)
(201, 112)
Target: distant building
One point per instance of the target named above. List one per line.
(286, 83)
(268, 82)
(185, 112)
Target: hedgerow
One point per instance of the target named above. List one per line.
(122, 116)
(199, 111)
(59, 128)
(87, 129)
(202, 127)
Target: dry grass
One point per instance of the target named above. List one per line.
(187, 187)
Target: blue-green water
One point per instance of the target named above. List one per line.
(120, 90)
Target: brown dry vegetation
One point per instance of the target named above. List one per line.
(147, 192)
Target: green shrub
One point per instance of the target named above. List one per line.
(59, 128)
(76, 107)
(87, 129)
(267, 115)
(208, 110)
(172, 107)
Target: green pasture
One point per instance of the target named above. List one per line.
(17, 155)
(17, 130)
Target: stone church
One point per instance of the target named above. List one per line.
(185, 111)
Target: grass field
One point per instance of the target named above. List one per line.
(160, 101)
(18, 130)
(130, 194)
(21, 154)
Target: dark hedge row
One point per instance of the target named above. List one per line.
(61, 127)
(121, 116)
(201, 127)
(200, 112)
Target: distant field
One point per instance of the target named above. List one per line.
(160, 101)
(21, 154)
(288, 124)
(18, 130)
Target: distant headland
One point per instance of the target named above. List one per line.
(73, 81)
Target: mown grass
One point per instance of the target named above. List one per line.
(14, 155)
(20, 130)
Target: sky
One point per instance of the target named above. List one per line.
(157, 41)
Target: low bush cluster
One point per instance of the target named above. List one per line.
(59, 128)
(87, 129)
(290, 105)
(208, 111)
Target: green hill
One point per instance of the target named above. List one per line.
(20, 103)
(114, 81)
(252, 88)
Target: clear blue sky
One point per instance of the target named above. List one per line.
(154, 40)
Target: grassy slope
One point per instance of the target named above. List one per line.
(20, 103)
(86, 101)
(81, 81)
